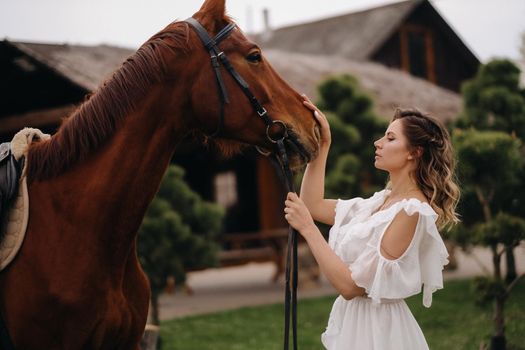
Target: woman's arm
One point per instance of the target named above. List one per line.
(331, 265)
(312, 187)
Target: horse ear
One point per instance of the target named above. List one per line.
(215, 9)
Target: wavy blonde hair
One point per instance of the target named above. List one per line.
(435, 171)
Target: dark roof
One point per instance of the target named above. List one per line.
(86, 66)
(355, 35)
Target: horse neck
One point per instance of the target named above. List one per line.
(106, 196)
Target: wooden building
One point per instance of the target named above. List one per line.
(410, 36)
(41, 83)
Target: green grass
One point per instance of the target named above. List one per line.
(453, 322)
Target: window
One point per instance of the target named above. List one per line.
(417, 54)
(226, 189)
(417, 51)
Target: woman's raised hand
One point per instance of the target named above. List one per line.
(326, 137)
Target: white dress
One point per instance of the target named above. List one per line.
(383, 321)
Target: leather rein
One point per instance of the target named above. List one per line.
(218, 57)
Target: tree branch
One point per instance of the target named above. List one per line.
(513, 283)
(484, 204)
(479, 194)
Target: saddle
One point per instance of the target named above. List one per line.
(10, 172)
(14, 196)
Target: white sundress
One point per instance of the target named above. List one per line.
(382, 320)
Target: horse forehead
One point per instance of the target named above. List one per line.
(236, 40)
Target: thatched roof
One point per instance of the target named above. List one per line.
(360, 35)
(355, 35)
(86, 66)
(389, 88)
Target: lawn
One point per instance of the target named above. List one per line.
(453, 322)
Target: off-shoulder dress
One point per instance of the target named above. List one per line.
(382, 319)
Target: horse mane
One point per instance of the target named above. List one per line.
(93, 122)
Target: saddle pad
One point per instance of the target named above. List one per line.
(18, 215)
(16, 225)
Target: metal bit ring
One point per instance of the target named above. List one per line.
(283, 127)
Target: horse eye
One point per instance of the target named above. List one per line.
(254, 57)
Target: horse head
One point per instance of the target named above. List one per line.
(241, 125)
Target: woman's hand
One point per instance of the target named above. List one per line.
(297, 214)
(326, 136)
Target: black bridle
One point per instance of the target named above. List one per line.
(217, 58)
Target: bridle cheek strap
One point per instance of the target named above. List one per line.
(218, 57)
(215, 53)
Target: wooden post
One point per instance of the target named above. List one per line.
(150, 337)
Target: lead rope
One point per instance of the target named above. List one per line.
(291, 268)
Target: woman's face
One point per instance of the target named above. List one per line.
(392, 152)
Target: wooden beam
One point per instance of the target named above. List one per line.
(431, 56)
(13, 123)
(403, 43)
(428, 37)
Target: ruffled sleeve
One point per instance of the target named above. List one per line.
(433, 255)
(421, 263)
(344, 210)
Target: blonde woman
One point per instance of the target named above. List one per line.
(385, 248)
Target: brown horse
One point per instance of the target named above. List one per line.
(76, 283)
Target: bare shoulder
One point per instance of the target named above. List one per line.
(399, 234)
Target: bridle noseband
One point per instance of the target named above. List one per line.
(218, 57)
